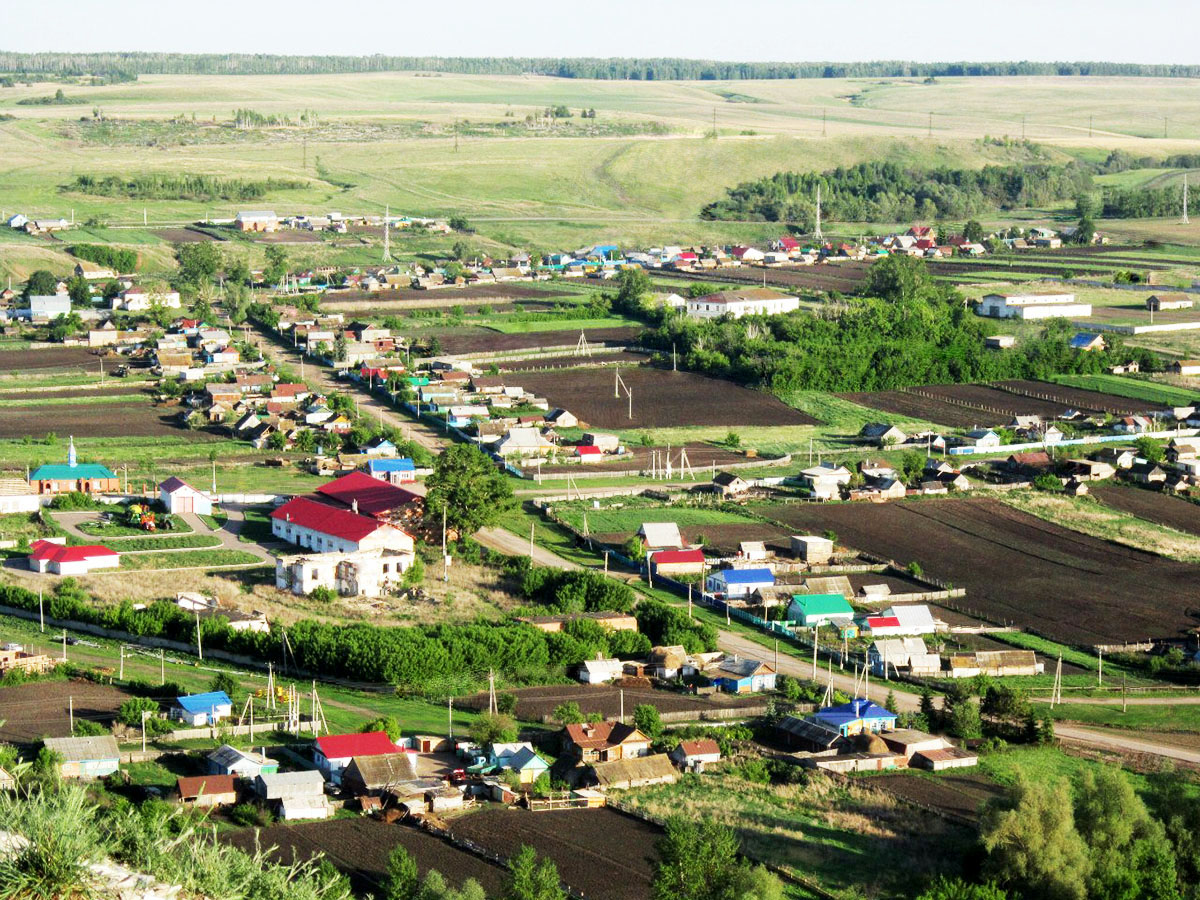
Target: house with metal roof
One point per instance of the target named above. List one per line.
(660, 536)
(603, 741)
(743, 676)
(333, 752)
(691, 756)
(85, 478)
(909, 618)
(180, 497)
(361, 493)
(59, 559)
(600, 671)
(86, 757)
(375, 774)
(909, 654)
(527, 765)
(207, 791)
(199, 710)
(856, 716)
(737, 583)
(327, 529)
(1087, 341)
(678, 562)
(294, 795)
(400, 470)
(809, 734)
(815, 610)
(227, 760)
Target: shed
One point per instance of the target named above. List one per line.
(812, 549)
(910, 741)
(600, 671)
(180, 497)
(207, 790)
(86, 757)
(227, 760)
(199, 710)
(810, 734)
(729, 485)
(661, 536)
(815, 610)
(693, 755)
(633, 772)
(375, 774)
(948, 757)
(678, 562)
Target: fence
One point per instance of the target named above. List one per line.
(217, 732)
(1074, 442)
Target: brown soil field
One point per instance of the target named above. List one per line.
(844, 276)
(982, 397)
(661, 399)
(450, 296)
(477, 340)
(48, 358)
(42, 708)
(600, 853)
(704, 458)
(724, 539)
(902, 403)
(109, 389)
(360, 848)
(960, 795)
(536, 702)
(1020, 569)
(287, 236)
(571, 361)
(134, 419)
(1078, 398)
(1174, 512)
(184, 236)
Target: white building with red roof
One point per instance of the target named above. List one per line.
(370, 496)
(333, 752)
(326, 528)
(59, 559)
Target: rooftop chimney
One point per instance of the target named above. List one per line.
(354, 505)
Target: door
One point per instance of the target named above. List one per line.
(183, 503)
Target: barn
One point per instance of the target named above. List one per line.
(180, 497)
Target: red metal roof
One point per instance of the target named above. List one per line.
(883, 622)
(702, 747)
(173, 484)
(375, 497)
(340, 746)
(326, 519)
(588, 450)
(672, 557)
(58, 553)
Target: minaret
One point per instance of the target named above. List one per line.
(817, 233)
(71, 459)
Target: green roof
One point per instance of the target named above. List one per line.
(823, 604)
(63, 472)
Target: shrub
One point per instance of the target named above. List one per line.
(322, 594)
(131, 710)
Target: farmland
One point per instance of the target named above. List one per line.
(1016, 568)
(84, 419)
(909, 405)
(360, 847)
(43, 708)
(536, 703)
(1134, 388)
(660, 399)
(1163, 509)
(46, 358)
(957, 794)
(600, 853)
(846, 276)
(477, 340)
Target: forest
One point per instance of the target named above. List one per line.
(888, 192)
(909, 330)
(179, 187)
(115, 258)
(612, 69)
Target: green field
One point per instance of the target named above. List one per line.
(1134, 388)
(631, 519)
(188, 559)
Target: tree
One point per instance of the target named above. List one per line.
(973, 231)
(1032, 844)
(468, 487)
(698, 860)
(402, 875)
(223, 681)
(276, 269)
(339, 347)
(64, 326)
(1086, 206)
(236, 271)
(492, 728)
(1149, 449)
(387, 724)
(648, 721)
(277, 440)
(568, 713)
(460, 223)
(40, 284)
(633, 285)
(79, 291)
(957, 889)
(506, 703)
(531, 879)
(461, 250)
(130, 712)
(198, 262)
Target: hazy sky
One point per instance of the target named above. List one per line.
(789, 30)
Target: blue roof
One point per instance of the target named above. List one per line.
(401, 464)
(1083, 339)
(853, 711)
(204, 703)
(746, 576)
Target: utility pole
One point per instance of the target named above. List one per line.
(446, 556)
(817, 236)
(41, 611)
(162, 667)
(1100, 670)
(456, 135)
(714, 123)
(304, 162)
(121, 669)
(492, 691)
(71, 712)
(531, 527)
(146, 712)
(814, 674)
(450, 713)
(1022, 126)
(1091, 121)
(199, 649)
(1185, 198)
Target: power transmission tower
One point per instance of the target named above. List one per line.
(817, 232)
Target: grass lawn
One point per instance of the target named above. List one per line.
(103, 530)
(1134, 388)
(558, 324)
(1159, 717)
(167, 542)
(631, 519)
(257, 527)
(189, 559)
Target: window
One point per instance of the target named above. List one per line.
(387, 567)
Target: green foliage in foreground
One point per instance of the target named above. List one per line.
(179, 187)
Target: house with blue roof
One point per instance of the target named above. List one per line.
(857, 716)
(400, 470)
(737, 583)
(744, 676)
(1087, 341)
(199, 710)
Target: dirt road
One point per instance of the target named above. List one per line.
(505, 541)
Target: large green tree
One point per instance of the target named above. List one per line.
(466, 484)
(532, 879)
(402, 875)
(40, 284)
(698, 860)
(198, 262)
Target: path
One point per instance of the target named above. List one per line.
(228, 534)
(505, 541)
(1108, 740)
(322, 376)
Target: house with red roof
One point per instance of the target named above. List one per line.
(678, 562)
(371, 496)
(588, 452)
(691, 756)
(59, 559)
(920, 231)
(326, 528)
(333, 752)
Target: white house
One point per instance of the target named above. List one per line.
(256, 220)
(49, 306)
(902, 620)
(366, 573)
(199, 710)
(58, 559)
(600, 671)
(1045, 305)
(523, 442)
(744, 302)
(138, 299)
(660, 536)
(327, 529)
(295, 795)
(736, 583)
(180, 497)
(333, 752)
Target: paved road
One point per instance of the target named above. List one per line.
(322, 376)
(228, 535)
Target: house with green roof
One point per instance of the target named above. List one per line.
(814, 610)
(86, 478)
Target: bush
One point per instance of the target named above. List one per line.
(322, 594)
(506, 704)
(247, 815)
(131, 711)
(88, 728)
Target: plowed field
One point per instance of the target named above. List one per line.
(911, 406)
(478, 340)
(1019, 569)
(1077, 398)
(661, 399)
(1174, 512)
(42, 709)
(600, 853)
(48, 358)
(961, 795)
(360, 848)
(845, 277)
(135, 419)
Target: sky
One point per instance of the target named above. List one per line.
(749, 30)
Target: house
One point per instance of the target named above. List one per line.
(180, 497)
(1032, 462)
(373, 497)
(59, 559)
(1184, 367)
(857, 716)
(1087, 342)
(207, 791)
(1091, 469)
(608, 443)
(814, 550)
(982, 439)
(1043, 305)
(256, 220)
(294, 795)
(752, 551)
(600, 671)
(327, 529)
(227, 760)
(1180, 451)
(908, 618)
(729, 485)
(678, 562)
(333, 752)
(603, 741)
(524, 443)
(815, 610)
(742, 302)
(743, 676)
(527, 765)
(621, 774)
(1147, 473)
(400, 470)
(375, 774)
(1161, 302)
(882, 434)
(85, 478)
(903, 653)
(660, 536)
(86, 757)
(1119, 457)
(997, 663)
(588, 453)
(747, 254)
(735, 583)
(691, 756)
(199, 710)
(139, 299)
(46, 307)
(561, 418)
(91, 271)
(613, 621)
